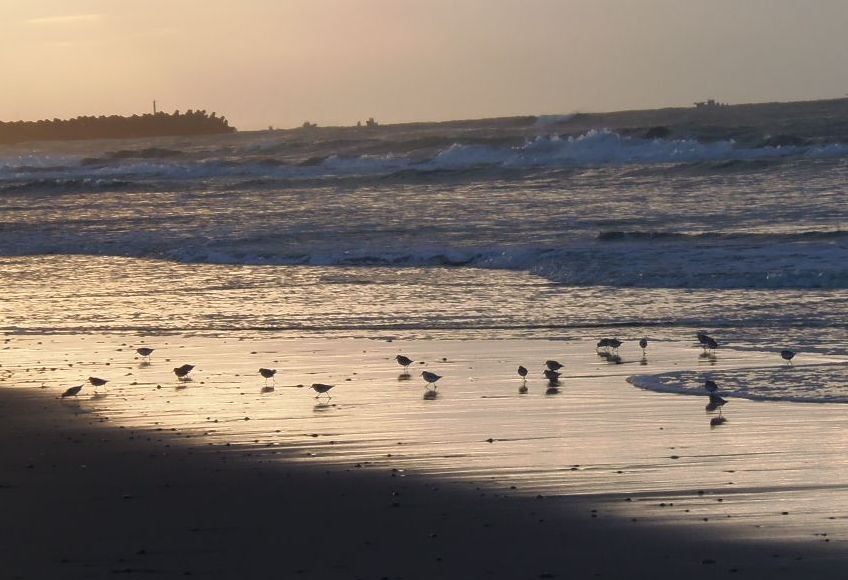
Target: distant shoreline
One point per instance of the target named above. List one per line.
(772, 124)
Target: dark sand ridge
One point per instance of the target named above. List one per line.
(83, 499)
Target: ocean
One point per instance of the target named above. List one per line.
(437, 233)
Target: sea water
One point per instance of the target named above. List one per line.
(432, 233)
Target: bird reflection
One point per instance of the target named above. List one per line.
(716, 421)
(404, 376)
(430, 395)
(322, 406)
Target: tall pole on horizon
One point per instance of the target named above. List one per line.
(154, 106)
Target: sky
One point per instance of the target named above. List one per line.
(333, 62)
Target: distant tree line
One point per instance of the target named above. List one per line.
(115, 127)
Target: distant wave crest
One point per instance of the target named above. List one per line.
(595, 148)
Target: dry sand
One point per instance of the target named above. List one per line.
(95, 488)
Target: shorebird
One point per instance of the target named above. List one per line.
(553, 365)
(643, 344)
(787, 355)
(710, 386)
(72, 392)
(268, 374)
(716, 402)
(710, 344)
(404, 361)
(552, 376)
(145, 352)
(183, 371)
(95, 382)
(603, 343)
(706, 341)
(522, 372)
(431, 378)
(322, 389)
(614, 343)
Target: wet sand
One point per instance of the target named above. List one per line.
(144, 481)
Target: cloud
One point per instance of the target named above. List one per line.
(70, 19)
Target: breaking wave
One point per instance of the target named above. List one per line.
(595, 148)
(800, 264)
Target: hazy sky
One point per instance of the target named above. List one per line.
(280, 62)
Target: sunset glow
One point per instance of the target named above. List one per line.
(265, 62)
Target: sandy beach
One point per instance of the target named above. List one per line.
(212, 478)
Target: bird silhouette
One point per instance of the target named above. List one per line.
(431, 378)
(145, 352)
(716, 402)
(553, 365)
(268, 374)
(404, 361)
(322, 389)
(183, 371)
(72, 392)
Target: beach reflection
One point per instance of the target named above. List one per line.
(620, 436)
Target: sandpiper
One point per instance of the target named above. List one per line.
(643, 344)
(144, 352)
(404, 361)
(522, 372)
(553, 365)
(706, 341)
(268, 374)
(716, 402)
(96, 382)
(710, 344)
(710, 386)
(431, 378)
(183, 371)
(322, 389)
(72, 392)
(787, 355)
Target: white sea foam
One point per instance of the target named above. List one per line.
(610, 148)
(595, 148)
(812, 383)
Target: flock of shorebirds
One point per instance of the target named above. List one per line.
(606, 348)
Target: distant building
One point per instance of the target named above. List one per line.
(709, 104)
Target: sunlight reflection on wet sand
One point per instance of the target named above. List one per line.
(773, 468)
